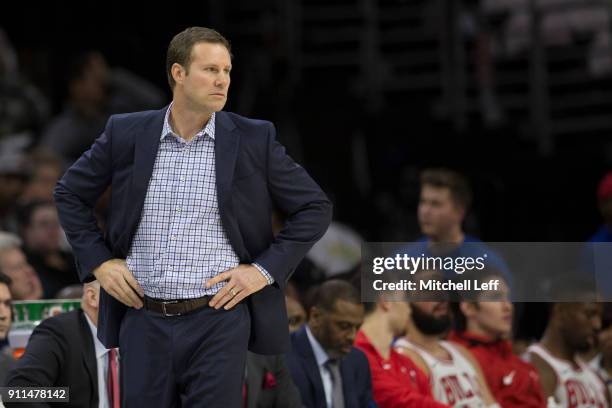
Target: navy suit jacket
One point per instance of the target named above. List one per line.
(354, 368)
(253, 174)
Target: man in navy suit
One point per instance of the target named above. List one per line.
(327, 369)
(191, 273)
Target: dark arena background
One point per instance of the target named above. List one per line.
(366, 93)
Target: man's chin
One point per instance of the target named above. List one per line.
(217, 107)
(341, 353)
(585, 346)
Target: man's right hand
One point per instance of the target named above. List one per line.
(117, 280)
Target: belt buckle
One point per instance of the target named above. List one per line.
(168, 302)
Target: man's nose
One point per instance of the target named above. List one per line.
(221, 81)
(5, 312)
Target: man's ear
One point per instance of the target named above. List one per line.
(461, 210)
(383, 304)
(467, 308)
(178, 73)
(91, 297)
(314, 316)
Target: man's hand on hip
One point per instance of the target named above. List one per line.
(242, 281)
(116, 279)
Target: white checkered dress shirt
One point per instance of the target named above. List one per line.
(180, 242)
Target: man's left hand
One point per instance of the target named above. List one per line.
(242, 281)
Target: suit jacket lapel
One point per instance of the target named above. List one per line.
(347, 385)
(309, 363)
(145, 152)
(227, 143)
(89, 353)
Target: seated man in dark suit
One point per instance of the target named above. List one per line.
(63, 351)
(327, 369)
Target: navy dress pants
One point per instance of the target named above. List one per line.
(195, 360)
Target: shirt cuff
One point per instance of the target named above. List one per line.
(265, 273)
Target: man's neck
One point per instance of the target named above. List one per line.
(606, 363)
(376, 328)
(454, 236)
(554, 344)
(86, 109)
(480, 332)
(185, 121)
(424, 341)
(90, 314)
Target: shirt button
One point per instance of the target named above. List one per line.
(182, 178)
(178, 209)
(170, 268)
(173, 237)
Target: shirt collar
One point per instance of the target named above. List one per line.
(208, 129)
(320, 354)
(100, 349)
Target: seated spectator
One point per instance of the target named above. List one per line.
(566, 380)
(484, 327)
(25, 284)
(327, 369)
(396, 380)
(63, 351)
(13, 179)
(41, 231)
(44, 170)
(295, 314)
(455, 377)
(24, 109)
(6, 356)
(445, 198)
(95, 91)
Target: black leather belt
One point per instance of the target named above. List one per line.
(175, 307)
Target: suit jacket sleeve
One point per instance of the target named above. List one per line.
(76, 195)
(366, 399)
(307, 208)
(40, 364)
